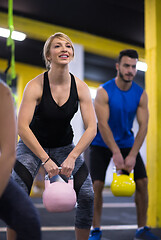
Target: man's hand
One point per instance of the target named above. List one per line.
(118, 161)
(129, 163)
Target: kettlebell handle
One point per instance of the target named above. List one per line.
(62, 176)
(114, 170)
(131, 174)
(70, 178)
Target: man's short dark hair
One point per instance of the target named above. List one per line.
(129, 53)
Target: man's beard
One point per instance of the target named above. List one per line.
(122, 77)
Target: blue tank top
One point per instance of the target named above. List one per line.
(51, 122)
(123, 106)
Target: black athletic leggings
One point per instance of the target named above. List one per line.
(19, 213)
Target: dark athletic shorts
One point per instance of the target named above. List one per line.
(100, 158)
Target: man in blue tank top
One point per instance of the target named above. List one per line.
(117, 103)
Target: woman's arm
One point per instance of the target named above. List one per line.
(31, 97)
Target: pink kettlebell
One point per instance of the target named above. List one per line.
(59, 196)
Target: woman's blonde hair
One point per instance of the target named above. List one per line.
(46, 49)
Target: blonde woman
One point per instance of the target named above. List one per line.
(49, 103)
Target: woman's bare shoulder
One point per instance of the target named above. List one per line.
(37, 81)
(34, 87)
(80, 83)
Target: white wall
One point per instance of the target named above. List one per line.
(76, 67)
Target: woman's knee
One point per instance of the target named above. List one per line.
(86, 197)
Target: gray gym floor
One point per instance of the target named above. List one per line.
(118, 220)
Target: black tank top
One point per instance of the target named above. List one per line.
(51, 123)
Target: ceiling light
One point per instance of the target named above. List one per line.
(142, 66)
(19, 36)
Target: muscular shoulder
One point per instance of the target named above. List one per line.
(144, 99)
(101, 96)
(82, 87)
(80, 83)
(36, 82)
(35, 86)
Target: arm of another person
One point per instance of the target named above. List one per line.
(142, 118)
(103, 113)
(89, 120)
(31, 97)
(7, 136)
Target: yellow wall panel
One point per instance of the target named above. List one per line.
(153, 87)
